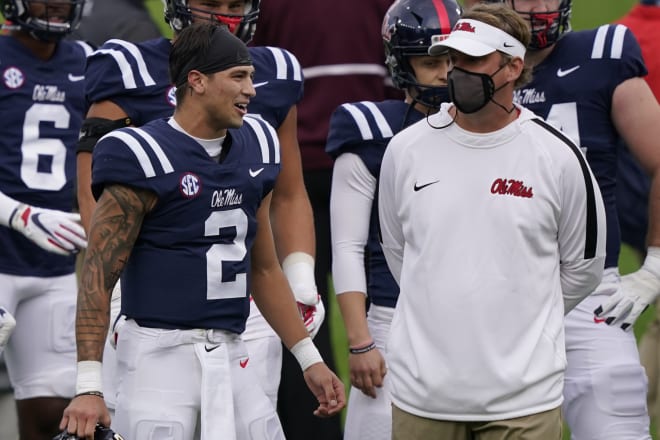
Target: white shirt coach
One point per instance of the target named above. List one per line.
(492, 238)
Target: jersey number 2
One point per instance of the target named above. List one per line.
(233, 251)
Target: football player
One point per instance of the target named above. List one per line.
(128, 85)
(590, 84)
(183, 216)
(358, 135)
(42, 105)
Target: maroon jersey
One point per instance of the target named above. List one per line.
(340, 48)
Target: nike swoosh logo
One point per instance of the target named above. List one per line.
(561, 73)
(259, 84)
(208, 350)
(508, 45)
(255, 173)
(243, 362)
(418, 187)
(598, 320)
(76, 78)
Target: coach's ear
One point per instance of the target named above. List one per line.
(514, 69)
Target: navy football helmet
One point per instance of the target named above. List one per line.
(547, 27)
(58, 17)
(179, 15)
(409, 28)
(101, 433)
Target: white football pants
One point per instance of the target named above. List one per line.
(605, 385)
(167, 380)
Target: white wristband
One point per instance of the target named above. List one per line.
(89, 377)
(298, 267)
(306, 353)
(652, 261)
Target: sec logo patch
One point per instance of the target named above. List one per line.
(190, 185)
(13, 77)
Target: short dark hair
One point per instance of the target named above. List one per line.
(208, 48)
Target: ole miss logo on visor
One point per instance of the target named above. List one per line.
(465, 27)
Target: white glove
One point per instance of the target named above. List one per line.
(7, 324)
(312, 316)
(638, 290)
(56, 231)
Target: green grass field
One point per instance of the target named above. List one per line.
(586, 14)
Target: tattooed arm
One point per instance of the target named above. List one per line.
(115, 226)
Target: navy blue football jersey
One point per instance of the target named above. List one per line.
(365, 128)
(135, 77)
(278, 81)
(572, 89)
(42, 105)
(190, 265)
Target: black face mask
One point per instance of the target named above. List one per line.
(470, 91)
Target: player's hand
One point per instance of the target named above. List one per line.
(327, 388)
(637, 291)
(82, 415)
(367, 371)
(7, 324)
(312, 315)
(56, 231)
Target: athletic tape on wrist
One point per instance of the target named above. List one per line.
(89, 378)
(306, 353)
(298, 267)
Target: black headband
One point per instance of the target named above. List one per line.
(224, 52)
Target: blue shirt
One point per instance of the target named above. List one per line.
(365, 129)
(42, 106)
(190, 264)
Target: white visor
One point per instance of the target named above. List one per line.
(477, 39)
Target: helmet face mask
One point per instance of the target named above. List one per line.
(409, 28)
(46, 20)
(547, 27)
(179, 14)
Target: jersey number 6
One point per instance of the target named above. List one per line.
(36, 149)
